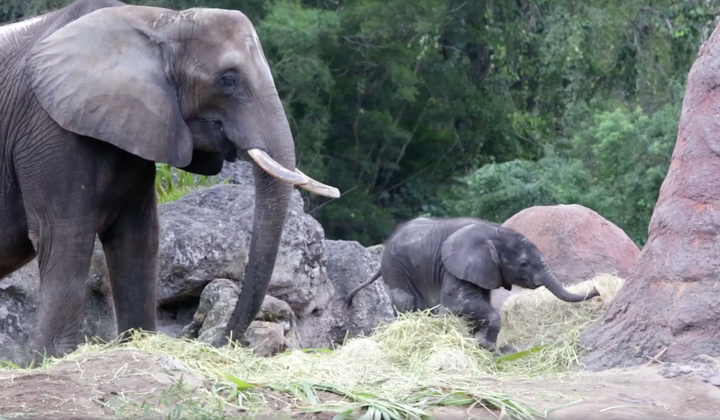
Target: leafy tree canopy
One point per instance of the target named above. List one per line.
(455, 107)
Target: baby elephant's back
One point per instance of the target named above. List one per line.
(414, 253)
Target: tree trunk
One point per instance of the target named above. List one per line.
(670, 302)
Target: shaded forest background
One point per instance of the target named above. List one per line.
(475, 108)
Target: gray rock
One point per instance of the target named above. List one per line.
(238, 173)
(376, 252)
(702, 365)
(17, 313)
(279, 312)
(271, 333)
(217, 302)
(349, 264)
(714, 380)
(206, 235)
(266, 339)
(323, 325)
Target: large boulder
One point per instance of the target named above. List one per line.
(272, 332)
(577, 242)
(205, 235)
(349, 264)
(327, 321)
(669, 308)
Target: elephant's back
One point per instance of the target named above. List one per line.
(18, 38)
(424, 236)
(414, 252)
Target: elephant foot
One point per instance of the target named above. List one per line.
(507, 349)
(39, 357)
(484, 342)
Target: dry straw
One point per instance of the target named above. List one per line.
(536, 317)
(406, 366)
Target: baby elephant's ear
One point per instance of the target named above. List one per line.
(467, 255)
(105, 75)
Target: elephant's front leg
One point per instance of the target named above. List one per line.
(131, 252)
(466, 299)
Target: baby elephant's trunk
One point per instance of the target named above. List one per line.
(554, 286)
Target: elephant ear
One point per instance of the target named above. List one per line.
(467, 255)
(105, 75)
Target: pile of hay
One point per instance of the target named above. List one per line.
(537, 318)
(406, 366)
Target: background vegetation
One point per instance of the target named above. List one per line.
(482, 108)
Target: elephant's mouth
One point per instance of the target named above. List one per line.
(528, 283)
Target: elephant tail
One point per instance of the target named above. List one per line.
(349, 297)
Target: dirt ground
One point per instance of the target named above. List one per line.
(124, 383)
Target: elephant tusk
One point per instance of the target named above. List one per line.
(298, 178)
(318, 187)
(275, 169)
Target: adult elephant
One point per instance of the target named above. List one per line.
(94, 94)
(454, 263)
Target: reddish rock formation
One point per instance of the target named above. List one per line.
(577, 242)
(670, 304)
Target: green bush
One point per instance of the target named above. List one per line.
(499, 190)
(172, 183)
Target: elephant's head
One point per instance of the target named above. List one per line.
(493, 256)
(190, 89)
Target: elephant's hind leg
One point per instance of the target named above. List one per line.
(65, 245)
(61, 226)
(131, 252)
(466, 299)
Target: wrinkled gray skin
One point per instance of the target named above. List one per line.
(455, 263)
(91, 96)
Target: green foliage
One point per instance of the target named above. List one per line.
(626, 155)
(392, 100)
(172, 183)
(614, 164)
(499, 190)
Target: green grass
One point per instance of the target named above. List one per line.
(169, 189)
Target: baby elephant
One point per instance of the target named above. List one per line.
(455, 263)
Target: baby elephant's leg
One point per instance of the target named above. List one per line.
(466, 299)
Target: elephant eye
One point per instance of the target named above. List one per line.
(228, 82)
(523, 264)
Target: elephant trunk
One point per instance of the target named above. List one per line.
(272, 199)
(275, 175)
(556, 288)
